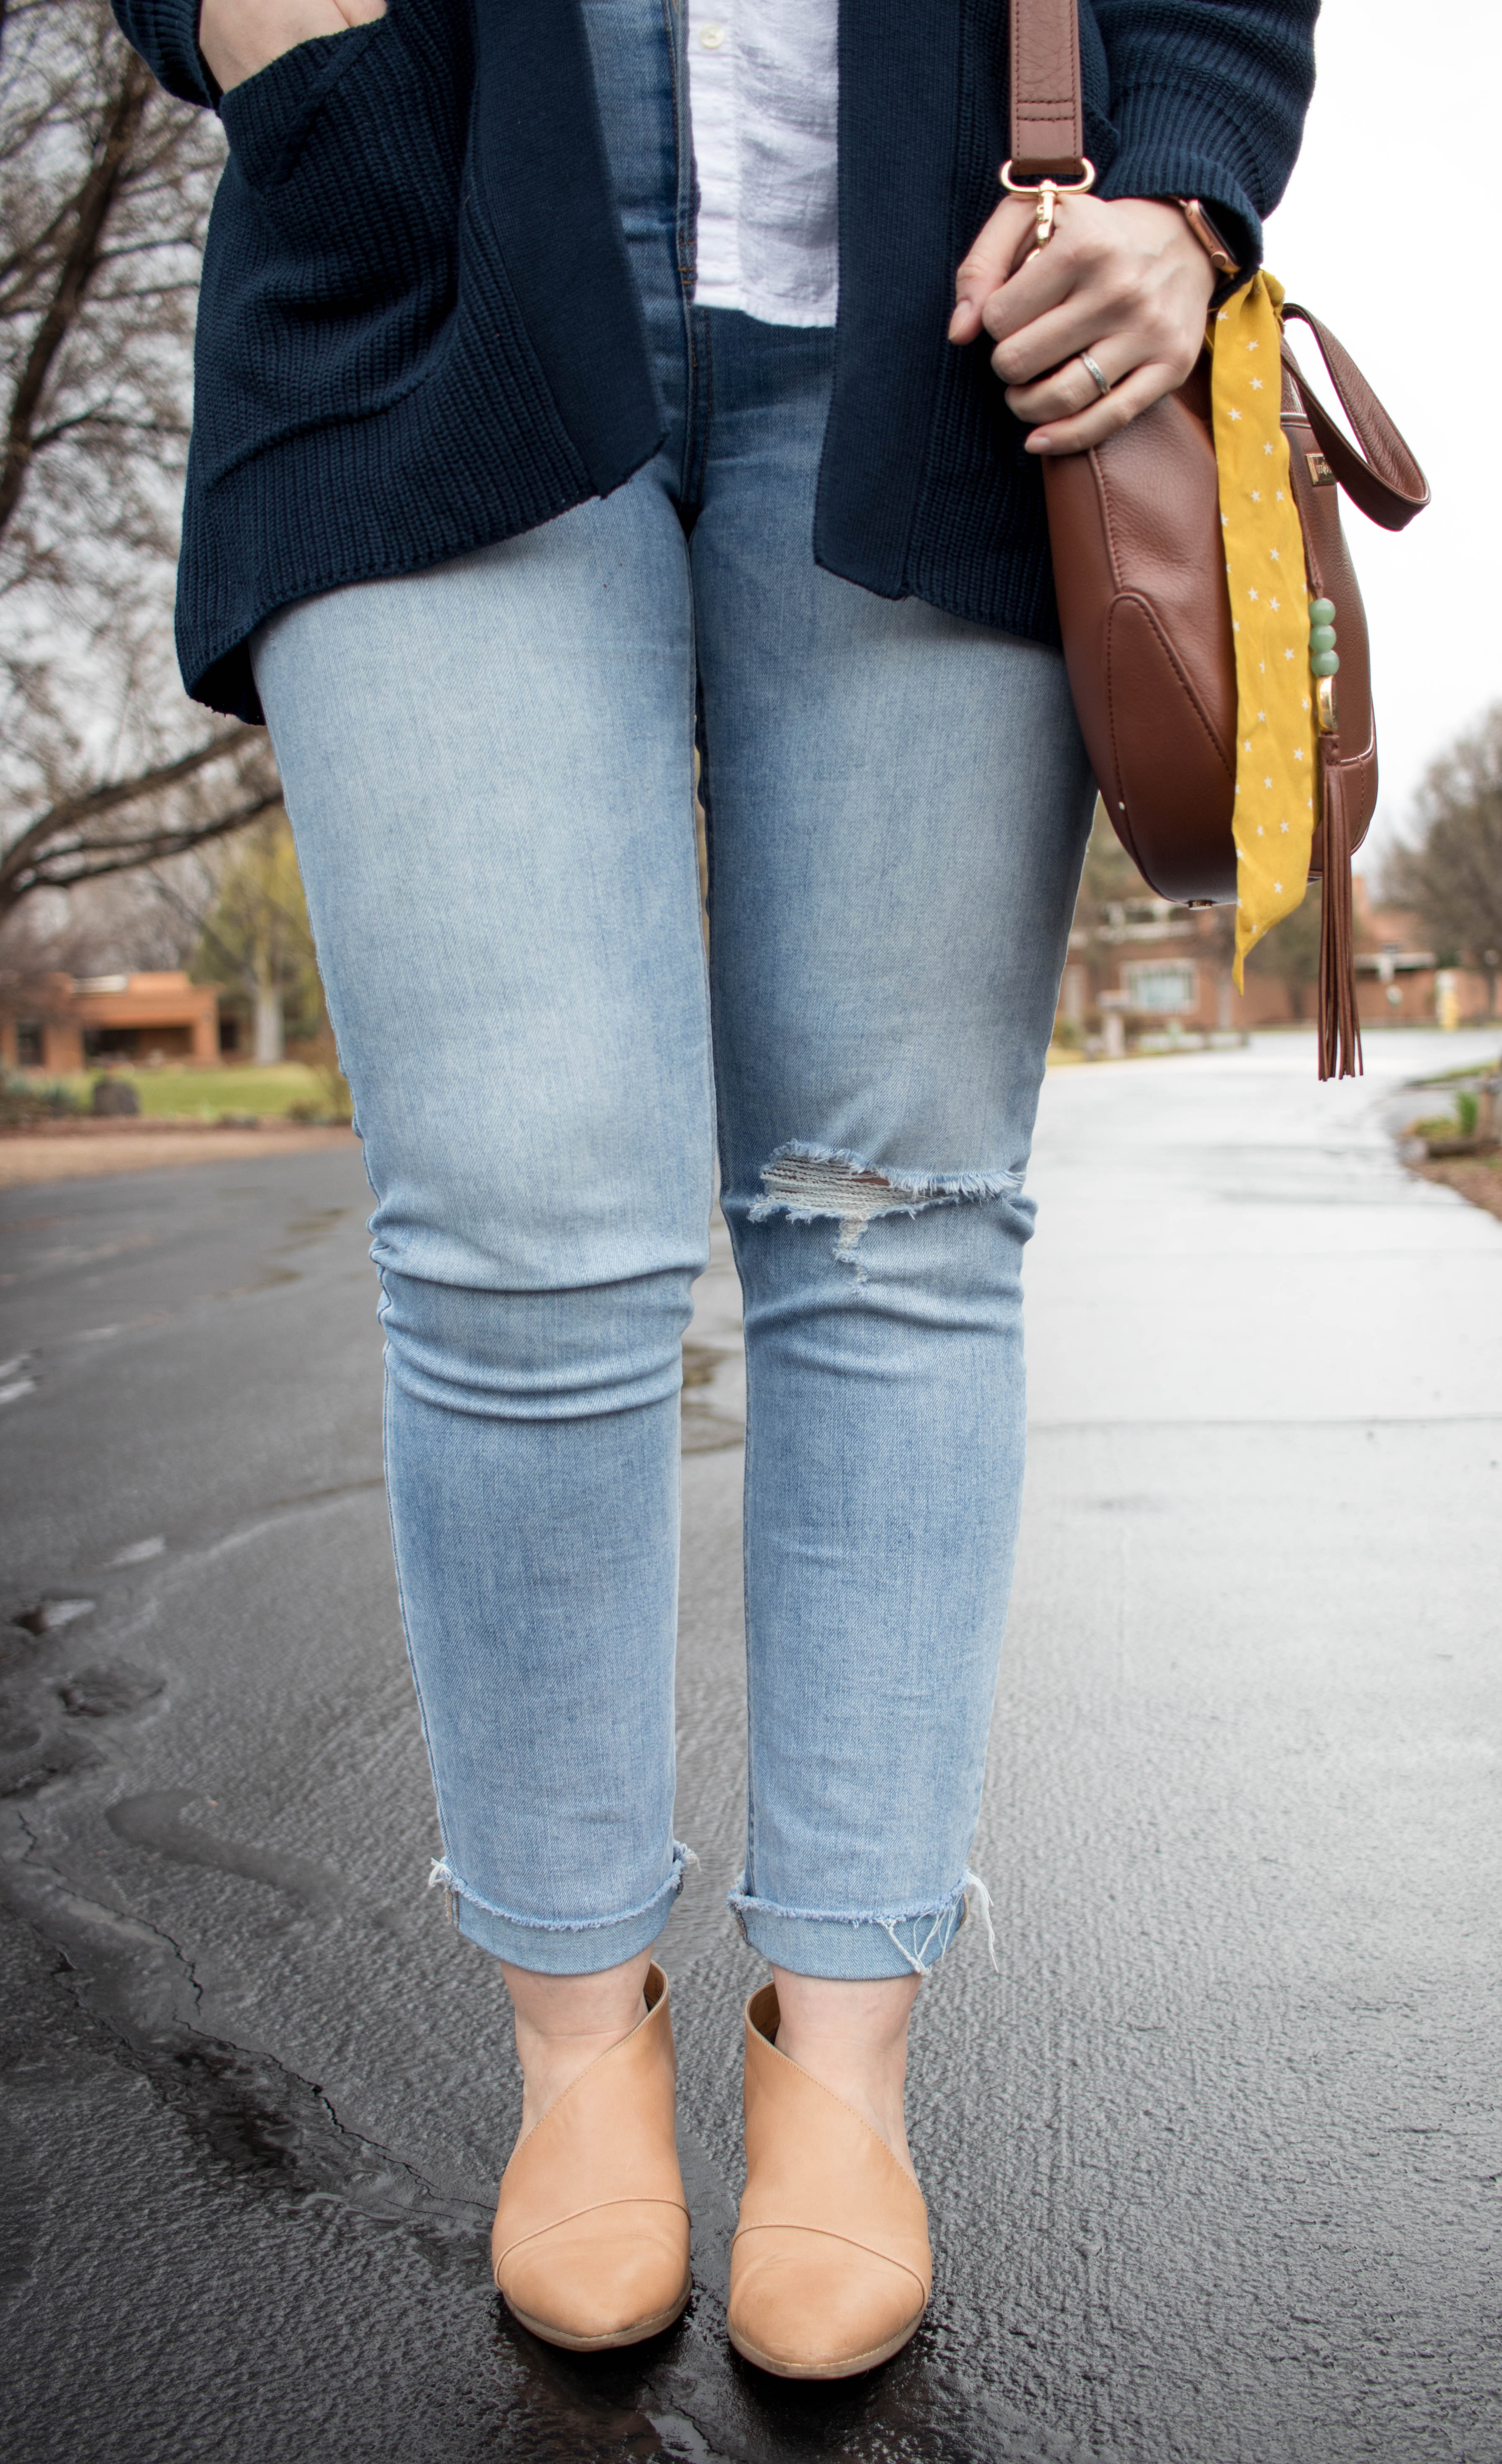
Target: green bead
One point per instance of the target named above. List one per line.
(1321, 611)
(1322, 638)
(1326, 663)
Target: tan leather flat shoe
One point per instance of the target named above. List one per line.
(591, 2243)
(829, 2269)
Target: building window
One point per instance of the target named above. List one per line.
(1160, 988)
(29, 1042)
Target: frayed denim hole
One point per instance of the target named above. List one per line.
(811, 1184)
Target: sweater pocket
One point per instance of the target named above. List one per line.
(329, 278)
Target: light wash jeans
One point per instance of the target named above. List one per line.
(489, 767)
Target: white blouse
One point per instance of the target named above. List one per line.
(762, 96)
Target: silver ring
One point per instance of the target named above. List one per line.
(1096, 371)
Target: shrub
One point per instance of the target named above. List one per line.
(23, 1103)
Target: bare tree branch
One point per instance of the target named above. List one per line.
(108, 798)
(66, 865)
(1453, 877)
(105, 186)
(90, 211)
(67, 844)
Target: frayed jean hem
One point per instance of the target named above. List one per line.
(560, 1945)
(854, 1946)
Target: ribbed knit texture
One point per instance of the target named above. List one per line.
(418, 334)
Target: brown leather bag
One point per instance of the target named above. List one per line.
(1135, 530)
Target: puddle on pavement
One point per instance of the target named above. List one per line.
(107, 1692)
(683, 2399)
(257, 2117)
(156, 1822)
(29, 1769)
(687, 2395)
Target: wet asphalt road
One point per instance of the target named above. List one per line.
(1215, 2161)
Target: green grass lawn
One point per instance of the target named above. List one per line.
(170, 1093)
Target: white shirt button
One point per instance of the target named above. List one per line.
(711, 36)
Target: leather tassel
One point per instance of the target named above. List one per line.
(1340, 1023)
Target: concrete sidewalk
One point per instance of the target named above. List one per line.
(1214, 2158)
(1243, 1817)
(1223, 1238)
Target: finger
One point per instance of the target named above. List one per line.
(1107, 417)
(1026, 350)
(1046, 282)
(1069, 388)
(1048, 340)
(988, 265)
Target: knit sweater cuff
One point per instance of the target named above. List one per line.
(1210, 158)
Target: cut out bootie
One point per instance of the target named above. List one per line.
(829, 2270)
(591, 2243)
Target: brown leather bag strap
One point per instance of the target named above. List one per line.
(1388, 484)
(1048, 107)
(1048, 133)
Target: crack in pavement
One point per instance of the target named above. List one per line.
(251, 2109)
(121, 1924)
(684, 2400)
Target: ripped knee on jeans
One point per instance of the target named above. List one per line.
(809, 1183)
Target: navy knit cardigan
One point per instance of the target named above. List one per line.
(417, 331)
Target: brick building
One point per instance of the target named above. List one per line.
(1150, 968)
(62, 1023)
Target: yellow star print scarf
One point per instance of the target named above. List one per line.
(1276, 756)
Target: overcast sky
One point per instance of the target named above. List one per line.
(1392, 239)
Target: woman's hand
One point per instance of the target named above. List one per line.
(240, 38)
(1126, 281)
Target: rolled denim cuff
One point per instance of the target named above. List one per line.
(848, 1945)
(560, 1945)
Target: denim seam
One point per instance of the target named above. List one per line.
(685, 233)
(444, 1878)
(849, 1916)
(924, 1955)
(697, 445)
(388, 1383)
(747, 1465)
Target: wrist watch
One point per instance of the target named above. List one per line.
(1205, 232)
